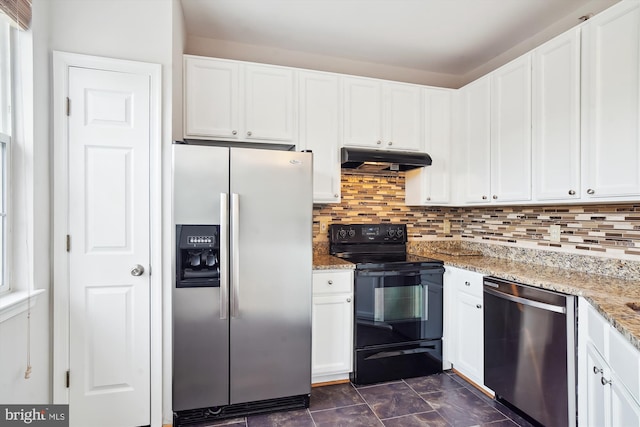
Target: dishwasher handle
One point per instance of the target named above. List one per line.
(524, 301)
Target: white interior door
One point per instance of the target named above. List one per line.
(109, 303)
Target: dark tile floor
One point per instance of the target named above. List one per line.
(437, 400)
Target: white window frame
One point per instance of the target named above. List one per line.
(15, 298)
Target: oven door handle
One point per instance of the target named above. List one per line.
(400, 272)
(383, 354)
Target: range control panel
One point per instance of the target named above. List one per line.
(367, 233)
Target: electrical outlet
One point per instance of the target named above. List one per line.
(446, 226)
(554, 233)
(324, 225)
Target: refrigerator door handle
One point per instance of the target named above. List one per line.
(235, 255)
(224, 254)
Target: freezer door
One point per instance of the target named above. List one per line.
(272, 262)
(200, 329)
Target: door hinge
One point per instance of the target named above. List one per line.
(68, 378)
(68, 106)
(68, 243)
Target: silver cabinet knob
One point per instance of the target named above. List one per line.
(591, 191)
(234, 132)
(597, 370)
(378, 142)
(605, 381)
(572, 193)
(389, 143)
(348, 299)
(478, 305)
(484, 197)
(495, 197)
(137, 270)
(467, 284)
(428, 198)
(249, 133)
(330, 282)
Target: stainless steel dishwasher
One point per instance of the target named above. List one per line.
(530, 350)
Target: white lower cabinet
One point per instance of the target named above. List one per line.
(464, 323)
(608, 373)
(332, 325)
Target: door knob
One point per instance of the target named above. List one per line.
(137, 270)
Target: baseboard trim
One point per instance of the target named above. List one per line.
(464, 377)
(322, 384)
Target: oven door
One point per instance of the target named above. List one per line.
(397, 306)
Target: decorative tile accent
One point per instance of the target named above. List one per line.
(608, 230)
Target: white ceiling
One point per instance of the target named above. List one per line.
(452, 37)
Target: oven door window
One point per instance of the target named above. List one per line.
(395, 307)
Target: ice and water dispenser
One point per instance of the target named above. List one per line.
(197, 256)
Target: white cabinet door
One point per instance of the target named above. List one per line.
(431, 185)
(211, 98)
(319, 131)
(269, 94)
(476, 141)
(332, 334)
(332, 325)
(401, 118)
(595, 401)
(625, 410)
(556, 118)
(469, 331)
(511, 131)
(362, 112)
(611, 102)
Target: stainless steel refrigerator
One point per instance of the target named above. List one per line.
(242, 295)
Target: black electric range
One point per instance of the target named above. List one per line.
(398, 303)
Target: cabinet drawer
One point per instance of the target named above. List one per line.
(331, 282)
(470, 282)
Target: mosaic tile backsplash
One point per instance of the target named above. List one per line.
(611, 230)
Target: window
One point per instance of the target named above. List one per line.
(5, 143)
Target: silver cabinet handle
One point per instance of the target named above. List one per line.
(428, 199)
(234, 132)
(484, 197)
(467, 284)
(330, 282)
(478, 305)
(137, 270)
(495, 197)
(597, 370)
(224, 254)
(336, 195)
(572, 192)
(604, 381)
(378, 142)
(348, 299)
(249, 133)
(591, 191)
(390, 143)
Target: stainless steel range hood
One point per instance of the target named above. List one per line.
(380, 160)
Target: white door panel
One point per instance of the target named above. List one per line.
(109, 227)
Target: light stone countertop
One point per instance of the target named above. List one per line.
(607, 294)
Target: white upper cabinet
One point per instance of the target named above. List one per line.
(269, 113)
(431, 184)
(511, 131)
(211, 98)
(382, 115)
(611, 103)
(474, 171)
(556, 119)
(232, 100)
(319, 131)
